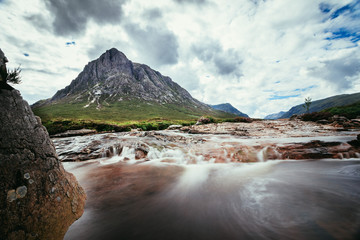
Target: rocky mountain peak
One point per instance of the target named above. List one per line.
(113, 78)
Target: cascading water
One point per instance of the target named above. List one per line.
(180, 186)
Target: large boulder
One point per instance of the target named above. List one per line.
(38, 198)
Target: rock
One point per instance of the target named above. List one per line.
(323, 121)
(36, 193)
(339, 119)
(113, 77)
(204, 120)
(70, 133)
(174, 127)
(295, 117)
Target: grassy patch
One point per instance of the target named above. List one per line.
(61, 125)
(349, 111)
(134, 110)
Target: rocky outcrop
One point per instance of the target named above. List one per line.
(38, 198)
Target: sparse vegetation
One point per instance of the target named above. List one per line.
(62, 125)
(350, 111)
(10, 76)
(315, 116)
(307, 104)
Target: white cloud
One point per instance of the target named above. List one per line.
(242, 52)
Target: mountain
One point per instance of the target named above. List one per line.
(275, 115)
(113, 88)
(227, 107)
(316, 106)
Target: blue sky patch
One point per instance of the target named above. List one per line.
(324, 7)
(342, 10)
(70, 43)
(340, 33)
(304, 89)
(277, 97)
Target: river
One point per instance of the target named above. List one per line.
(179, 193)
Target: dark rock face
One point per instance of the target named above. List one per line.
(38, 198)
(113, 77)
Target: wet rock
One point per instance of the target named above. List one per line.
(29, 167)
(11, 195)
(339, 119)
(174, 127)
(70, 133)
(21, 192)
(323, 121)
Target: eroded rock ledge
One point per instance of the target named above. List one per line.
(38, 198)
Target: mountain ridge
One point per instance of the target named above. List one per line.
(114, 85)
(227, 107)
(322, 104)
(274, 115)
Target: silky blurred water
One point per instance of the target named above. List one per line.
(265, 200)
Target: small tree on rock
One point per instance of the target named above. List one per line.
(10, 76)
(307, 104)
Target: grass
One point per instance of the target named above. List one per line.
(134, 110)
(55, 126)
(122, 116)
(61, 125)
(350, 111)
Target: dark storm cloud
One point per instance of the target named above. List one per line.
(199, 2)
(159, 45)
(39, 21)
(226, 61)
(152, 14)
(339, 72)
(72, 16)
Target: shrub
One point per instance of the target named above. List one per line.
(316, 116)
(206, 120)
(243, 119)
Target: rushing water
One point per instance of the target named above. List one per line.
(265, 200)
(194, 187)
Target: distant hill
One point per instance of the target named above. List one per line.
(350, 111)
(227, 107)
(113, 88)
(275, 115)
(318, 105)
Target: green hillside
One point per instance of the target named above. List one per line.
(350, 111)
(319, 105)
(123, 111)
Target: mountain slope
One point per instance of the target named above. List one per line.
(114, 88)
(227, 107)
(316, 106)
(275, 115)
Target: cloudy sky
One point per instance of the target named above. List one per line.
(262, 56)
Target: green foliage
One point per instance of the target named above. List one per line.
(62, 125)
(350, 111)
(10, 76)
(132, 110)
(307, 104)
